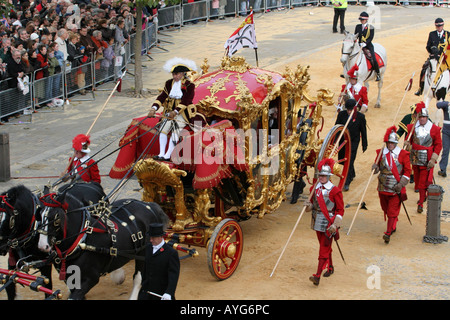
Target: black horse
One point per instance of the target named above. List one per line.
(95, 241)
(20, 218)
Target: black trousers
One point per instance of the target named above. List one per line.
(339, 14)
(351, 170)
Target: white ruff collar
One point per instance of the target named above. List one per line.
(427, 125)
(357, 87)
(176, 92)
(396, 150)
(84, 159)
(327, 185)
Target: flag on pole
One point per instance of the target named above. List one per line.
(243, 37)
(410, 82)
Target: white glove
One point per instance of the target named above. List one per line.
(166, 296)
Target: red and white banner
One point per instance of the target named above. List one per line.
(243, 37)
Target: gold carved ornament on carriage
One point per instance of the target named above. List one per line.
(205, 200)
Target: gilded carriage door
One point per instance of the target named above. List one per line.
(257, 138)
(288, 137)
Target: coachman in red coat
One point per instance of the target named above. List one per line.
(82, 165)
(395, 170)
(426, 145)
(327, 211)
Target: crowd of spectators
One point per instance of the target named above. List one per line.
(40, 37)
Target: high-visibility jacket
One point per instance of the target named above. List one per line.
(342, 2)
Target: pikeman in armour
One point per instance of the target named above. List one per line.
(327, 211)
(425, 140)
(395, 169)
(176, 99)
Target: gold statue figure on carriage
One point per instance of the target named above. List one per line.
(268, 125)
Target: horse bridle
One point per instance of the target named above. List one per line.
(350, 56)
(20, 240)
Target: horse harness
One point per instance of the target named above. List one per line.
(25, 237)
(99, 213)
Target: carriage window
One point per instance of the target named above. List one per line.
(288, 123)
(256, 137)
(274, 121)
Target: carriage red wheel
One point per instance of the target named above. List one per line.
(225, 249)
(342, 153)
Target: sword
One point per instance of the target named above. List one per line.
(339, 248)
(406, 211)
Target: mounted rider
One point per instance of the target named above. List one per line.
(354, 90)
(436, 45)
(366, 33)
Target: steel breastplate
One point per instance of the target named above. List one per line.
(321, 223)
(386, 179)
(423, 138)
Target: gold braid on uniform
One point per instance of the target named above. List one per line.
(364, 39)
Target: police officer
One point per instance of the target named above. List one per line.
(340, 6)
(366, 33)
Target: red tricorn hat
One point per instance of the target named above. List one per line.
(81, 143)
(353, 72)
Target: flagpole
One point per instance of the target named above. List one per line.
(256, 55)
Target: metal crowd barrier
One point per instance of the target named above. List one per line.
(80, 78)
(104, 68)
(13, 101)
(178, 15)
(48, 91)
(45, 92)
(196, 10)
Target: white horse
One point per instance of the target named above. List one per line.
(352, 54)
(438, 90)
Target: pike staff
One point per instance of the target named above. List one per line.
(119, 82)
(311, 194)
(408, 87)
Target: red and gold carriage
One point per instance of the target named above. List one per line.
(206, 201)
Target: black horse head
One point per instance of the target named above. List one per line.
(72, 199)
(19, 210)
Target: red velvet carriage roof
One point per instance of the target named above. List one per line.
(222, 88)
